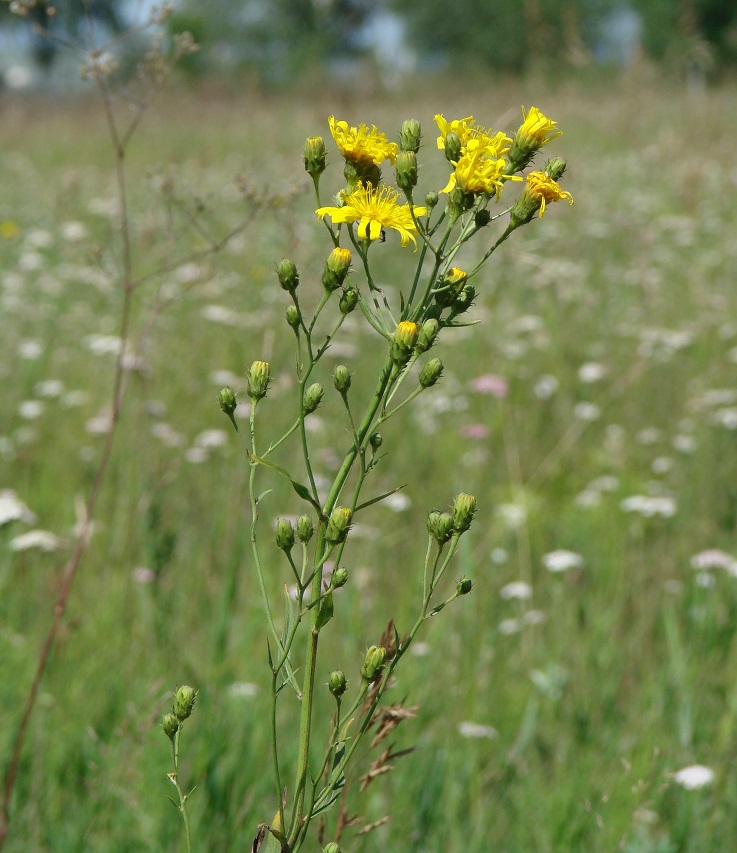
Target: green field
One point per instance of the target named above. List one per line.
(553, 714)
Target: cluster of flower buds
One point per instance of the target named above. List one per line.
(442, 525)
(182, 708)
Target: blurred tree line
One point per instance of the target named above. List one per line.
(508, 35)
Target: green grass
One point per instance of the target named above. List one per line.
(629, 675)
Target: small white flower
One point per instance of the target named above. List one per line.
(499, 556)
(591, 372)
(545, 387)
(562, 560)
(211, 439)
(12, 508)
(713, 558)
(242, 690)
(31, 409)
(397, 502)
(512, 515)
(49, 388)
(510, 626)
(476, 730)
(30, 349)
(518, 590)
(693, 777)
(74, 231)
(41, 539)
(587, 412)
(649, 507)
(662, 465)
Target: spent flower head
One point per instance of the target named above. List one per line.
(540, 189)
(375, 208)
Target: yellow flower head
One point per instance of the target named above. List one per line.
(362, 145)
(467, 130)
(375, 208)
(476, 172)
(541, 187)
(535, 129)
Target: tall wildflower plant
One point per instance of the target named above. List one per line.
(481, 165)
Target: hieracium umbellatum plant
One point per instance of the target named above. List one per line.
(469, 209)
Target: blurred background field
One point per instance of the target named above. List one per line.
(592, 411)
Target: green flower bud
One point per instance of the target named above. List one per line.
(452, 147)
(184, 702)
(293, 317)
(449, 289)
(314, 153)
(406, 171)
(338, 525)
(287, 274)
(348, 300)
(431, 199)
(305, 528)
(464, 299)
(555, 168)
(463, 510)
(376, 440)
(440, 526)
(170, 724)
(284, 535)
(410, 135)
(340, 577)
(465, 585)
(342, 379)
(405, 338)
(431, 372)
(336, 269)
(258, 379)
(373, 663)
(313, 397)
(482, 218)
(227, 400)
(428, 333)
(337, 683)
(332, 847)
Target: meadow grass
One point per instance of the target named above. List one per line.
(610, 333)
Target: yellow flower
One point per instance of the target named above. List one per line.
(9, 229)
(467, 130)
(534, 130)
(375, 208)
(541, 187)
(477, 172)
(362, 145)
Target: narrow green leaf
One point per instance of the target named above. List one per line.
(299, 488)
(379, 498)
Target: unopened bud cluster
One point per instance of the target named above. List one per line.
(182, 708)
(442, 525)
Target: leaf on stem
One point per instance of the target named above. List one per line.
(379, 498)
(299, 488)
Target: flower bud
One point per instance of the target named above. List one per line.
(342, 379)
(305, 528)
(440, 526)
(184, 702)
(227, 401)
(332, 847)
(258, 379)
(410, 135)
(431, 199)
(284, 535)
(373, 663)
(406, 171)
(170, 724)
(338, 525)
(314, 153)
(428, 333)
(293, 317)
(452, 147)
(337, 684)
(313, 397)
(482, 218)
(465, 585)
(336, 268)
(287, 274)
(450, 287)
(340, 577)
(431, 372)
(376, 440)
(348, 300)
(405, 338)
(463, 510)
(555, 168)
(464, 300)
